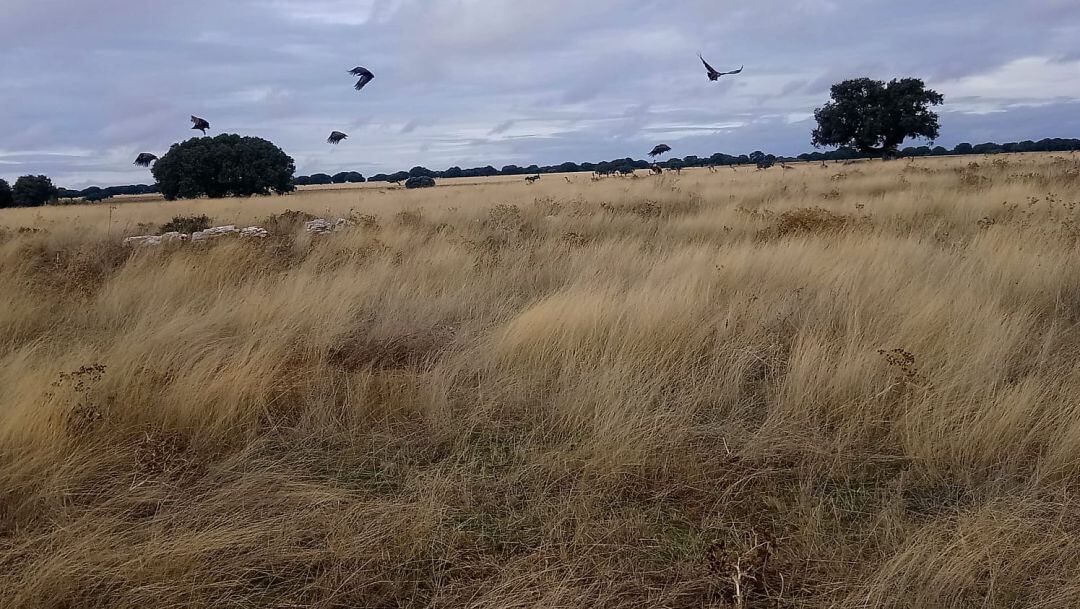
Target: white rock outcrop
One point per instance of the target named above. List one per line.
(155, 240)
(255, 232)
(320, 226)
(214, 233)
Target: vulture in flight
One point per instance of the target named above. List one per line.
(336, 137)
(365, 76)
(144, 159)
(713, 73)
(200, 124)
(660, 149)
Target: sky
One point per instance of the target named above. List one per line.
(86, 85)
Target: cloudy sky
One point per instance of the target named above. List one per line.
(88, 84)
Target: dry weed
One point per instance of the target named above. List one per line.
(721, 391)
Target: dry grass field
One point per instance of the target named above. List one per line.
(854, 386)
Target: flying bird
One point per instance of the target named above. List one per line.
(365, 76)
(200, 123)
(336, 137)
(145, 159)
(660, 149)
(713, 73)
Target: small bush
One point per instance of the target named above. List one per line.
(810, 220)
(419, 182)
(287, 222)
(412, 219)
(186, 224)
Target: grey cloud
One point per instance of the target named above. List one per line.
(502, 127)
(410, 126)
(592, 80)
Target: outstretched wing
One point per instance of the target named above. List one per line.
(364, 80)
(336, 137)
(739, 71)
(144, 159)
(365, 76)
(711, 69)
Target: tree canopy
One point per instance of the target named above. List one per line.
(420, 182)
(313, 179)
(762, 160)
(347, 177)
(875, 118)
(6, 198)
(222, 166)
(32, 191)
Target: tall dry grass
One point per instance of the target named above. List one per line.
(853, 386)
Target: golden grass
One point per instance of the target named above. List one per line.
(853, 386)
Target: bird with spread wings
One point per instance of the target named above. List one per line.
(145, 159)
(199, 123)
(660, 149)
(365, 76)
(715, 74)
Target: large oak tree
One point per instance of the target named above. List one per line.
(875, 118)
(222, 166)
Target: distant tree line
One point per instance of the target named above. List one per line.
(1044, 145)
(345, 177)
(29, 191)
(94, 194)
(720, 159)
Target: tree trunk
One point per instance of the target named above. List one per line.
(884, 152)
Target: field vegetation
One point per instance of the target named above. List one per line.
(846, 386)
